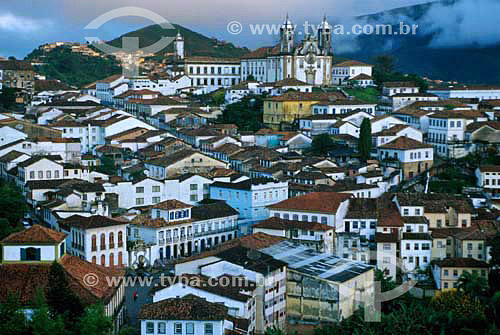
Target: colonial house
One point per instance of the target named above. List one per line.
(26, 264)
(411, 156)
(180, 162)
(250, 198)
(97, 239)
(446, 272)
(322, 207)
(349, 70)
(488, 177)
(173, 229)
(187, 315)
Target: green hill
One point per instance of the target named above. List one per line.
(75, 69)
(195, 44)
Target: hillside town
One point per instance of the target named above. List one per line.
(267, 194)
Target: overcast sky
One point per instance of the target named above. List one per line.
(25, 24)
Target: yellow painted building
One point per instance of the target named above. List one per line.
(285, 109)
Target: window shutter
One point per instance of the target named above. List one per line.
(23, 254)
(38, 257)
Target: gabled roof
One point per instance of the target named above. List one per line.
(189, 307)
(35, 159)
(35, 234)
(362, 76)
(91, 222)
(282, 224)
(27, 279)
(399, 84)
(166, 161)
(351, 63)
(9, 157)
(244, 185)
(490, 168)
(325, 202)
(405, 143)
(393, 131)
(461, 263)
(171, 204)
(218, 209)
(307, 96)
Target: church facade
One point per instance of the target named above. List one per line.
(309, 61)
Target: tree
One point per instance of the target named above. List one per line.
(8, 98)
(460, 304)
(107, 166)
(12, 319)
(95, 322)
(6, 228)
(472, 284)
(12, 209)
(41, 322)
(250, 77)
(365, 140)
(384, 65)
(322, 144)
(60, 299)
(495, 250)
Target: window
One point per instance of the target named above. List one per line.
(139, 201)
(193, 197)
(193, 187)
(189, 328)
(30, 254)
(177, 328)
(446, 285)
(446, 273)
(417, 211)
(162, 328)
(406, 212)
(150, 327)
(156, 189)
(209, 329)
(139, 190)
(156, 200)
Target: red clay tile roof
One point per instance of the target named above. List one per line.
(26, 279)
(461, 263)
(386, 238)
(171, 204)
(35, 234)
(351, 63)
(405, 143)
(362, 76)
(189, 307)
(309, 96)
(490, 168)
(277, 223)
(313, 202)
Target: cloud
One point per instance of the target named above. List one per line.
(463, 23)
(17, 24)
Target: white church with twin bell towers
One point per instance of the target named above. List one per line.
(309, 60)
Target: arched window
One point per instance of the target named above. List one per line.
(120, 239)
(120, 259)
(103, 241)
(103, 260)
(111, 240)
(94, 243)
(111, 259)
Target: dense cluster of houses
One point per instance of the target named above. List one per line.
(137, 172)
